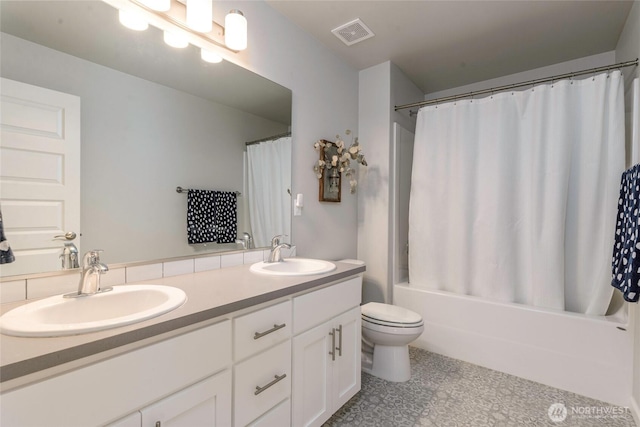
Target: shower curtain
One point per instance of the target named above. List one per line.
(269, 183)
(514, 196)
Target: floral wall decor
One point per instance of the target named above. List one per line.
(335, 159)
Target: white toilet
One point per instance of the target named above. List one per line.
(387, 331)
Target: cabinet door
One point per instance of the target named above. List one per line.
(346, 368)
(311, 398)
(207, 403)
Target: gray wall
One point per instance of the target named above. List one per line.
(140, 140)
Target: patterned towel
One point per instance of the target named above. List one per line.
(211, 216)
(625, 265)
(226, 216)
(6, 255)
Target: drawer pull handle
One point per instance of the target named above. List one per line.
(275, 328)
(339, 348)
(276, 379)
(333, 344)
(158, 423)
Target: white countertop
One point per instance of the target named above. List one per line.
(210, 295)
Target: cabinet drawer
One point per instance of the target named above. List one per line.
(256, 385)
(261, 329)
(278, 416)
(316, 307)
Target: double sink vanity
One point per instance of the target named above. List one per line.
(266, 344)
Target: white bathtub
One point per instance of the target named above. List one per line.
(588, 355)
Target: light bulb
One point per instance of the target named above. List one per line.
(209, 56)
(159, 5)
(235, 31)
(200, 15)
(132, 20)
(175, 39)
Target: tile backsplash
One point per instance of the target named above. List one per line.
(41, 286)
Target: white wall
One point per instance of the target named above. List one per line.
(628, 48)
(381, 87)
(579, 64)
(373, 195)
(325, 103)
(140, 140)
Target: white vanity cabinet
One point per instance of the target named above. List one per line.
(262, 368)
(290, 362)
(110, 389)
(326, 357)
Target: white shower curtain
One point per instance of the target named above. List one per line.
(514, 196)
(269, 184)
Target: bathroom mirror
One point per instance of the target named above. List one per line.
(152, 118)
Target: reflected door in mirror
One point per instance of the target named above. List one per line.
(40, 181)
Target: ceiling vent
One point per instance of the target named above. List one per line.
(353, 32)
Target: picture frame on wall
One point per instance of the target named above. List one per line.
(331, 180)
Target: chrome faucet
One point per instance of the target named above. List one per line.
(246, 242)
(90, 274)
(276, 246)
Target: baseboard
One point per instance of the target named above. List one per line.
(635, 410)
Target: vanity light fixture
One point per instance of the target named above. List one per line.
(235, 32)
(159, 5)
(175, 39)
(132, 20)
(200, 15)
(209, 56)
(186, 22)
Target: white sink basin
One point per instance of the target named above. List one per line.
(58, 316)
(293, 267)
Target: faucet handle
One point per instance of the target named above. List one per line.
(276, 240)
(92, 257)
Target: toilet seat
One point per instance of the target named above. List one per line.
(390, 315)
(392, 324)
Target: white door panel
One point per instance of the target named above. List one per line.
(39, 173)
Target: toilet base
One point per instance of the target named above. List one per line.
(390, 363)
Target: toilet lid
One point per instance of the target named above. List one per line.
(390, 314)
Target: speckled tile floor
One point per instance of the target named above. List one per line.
(445, 392)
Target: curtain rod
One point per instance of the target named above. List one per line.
(269, 138)
(517, 85)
